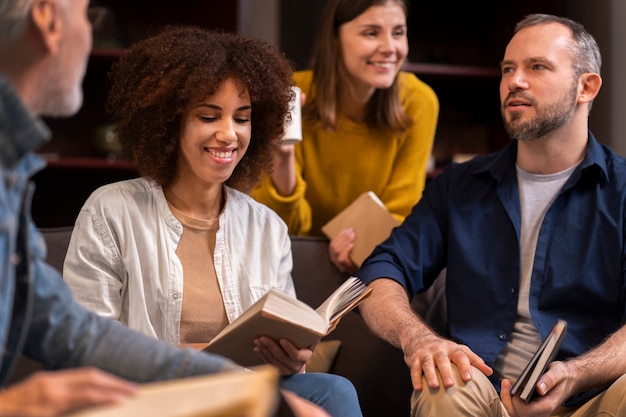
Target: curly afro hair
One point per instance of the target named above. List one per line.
(153, 83)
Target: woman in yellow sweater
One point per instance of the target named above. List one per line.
(367, 126)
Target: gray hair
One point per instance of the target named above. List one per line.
(585, 51)
(13, 18)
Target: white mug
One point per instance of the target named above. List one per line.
(292, 132)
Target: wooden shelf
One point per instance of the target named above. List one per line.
(107, 52)
(463, 128)
(54, 161)
(452, 70)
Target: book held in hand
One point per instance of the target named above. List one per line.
(540, 361)
(228, 394)
(281, 316)
(371, 221)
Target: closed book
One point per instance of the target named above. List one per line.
(371, 221)
(538, 364)
(228, 394)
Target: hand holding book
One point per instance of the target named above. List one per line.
(371, 221)
(280, 316)
(227, 394)
(538, 364)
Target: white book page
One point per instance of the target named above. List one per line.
(377, 199)
(340, 298)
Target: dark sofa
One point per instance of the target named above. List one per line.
(376, 368)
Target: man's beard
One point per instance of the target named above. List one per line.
(62, 94)
(64, 103)
(548, 118)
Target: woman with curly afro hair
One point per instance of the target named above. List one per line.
(182, 251)
(157, 81)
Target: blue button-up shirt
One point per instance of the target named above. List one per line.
(468, 220)
(38, 317)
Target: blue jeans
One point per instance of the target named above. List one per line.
(333, 393)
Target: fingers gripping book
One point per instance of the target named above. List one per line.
(538, 364)
(371, 221)
(228, 394)
(281, 316)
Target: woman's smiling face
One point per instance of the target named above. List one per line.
(215, 135)
(374, 45)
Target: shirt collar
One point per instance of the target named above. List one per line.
(594, 162)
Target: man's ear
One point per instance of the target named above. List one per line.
(590, 84)
(46, 17)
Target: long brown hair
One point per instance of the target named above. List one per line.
(384, 108)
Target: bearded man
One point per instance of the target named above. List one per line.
(530, 234)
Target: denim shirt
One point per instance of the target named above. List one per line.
(38, 317)
(468, 220)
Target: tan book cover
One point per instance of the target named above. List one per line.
(371, 221)
(281, 316)
(229, 394)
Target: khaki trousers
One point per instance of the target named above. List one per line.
(479, 398)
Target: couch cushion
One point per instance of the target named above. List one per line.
(324, 356)
(57, 240)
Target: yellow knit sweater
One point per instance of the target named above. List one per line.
(335, 167)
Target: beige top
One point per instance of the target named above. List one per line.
(124, 243)
(203, 314)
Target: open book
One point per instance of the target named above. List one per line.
(229, 394)
(540, 361)
(280, 316)
(371, 221)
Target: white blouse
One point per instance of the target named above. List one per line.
(122, 263)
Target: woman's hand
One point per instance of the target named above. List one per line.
(340, 248)
(283, 354)
(284, 167)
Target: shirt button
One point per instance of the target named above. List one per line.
(502, 337)
(175, 296)
(513, 291)
(15, 259)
